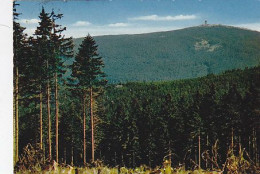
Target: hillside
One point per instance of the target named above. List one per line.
(179, 54)
(141, 121)
(149, 115)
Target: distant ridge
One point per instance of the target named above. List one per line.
(178, 54)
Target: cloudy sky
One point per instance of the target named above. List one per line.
(106, 17)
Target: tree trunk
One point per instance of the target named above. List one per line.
(84, 128)
(249, 145)
(149, 158)
(57, 117)
(92, 126)
(115, 159)
(170, 154)
(16, 115)
(72, 156)
(199, 150)
(14, 127)
(65, 155)
(49, 118)
(232, 139)
(133, 159)
(207, 147)
(254, 146)
(41, 118)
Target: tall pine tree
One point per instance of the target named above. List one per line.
(87, 70)
(18, 45)
(43, 34)
(62, 48)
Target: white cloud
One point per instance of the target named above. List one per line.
(164, 18)
(118, 25)
(81, 24)
(104, 30)
(251, 26)
(30, 30)
(29, 21)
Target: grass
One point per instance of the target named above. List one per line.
(236, 163)
(122, 170)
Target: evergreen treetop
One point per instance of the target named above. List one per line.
(87, 67)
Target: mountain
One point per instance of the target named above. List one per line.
(179, 54)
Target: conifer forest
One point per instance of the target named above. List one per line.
(68, 117)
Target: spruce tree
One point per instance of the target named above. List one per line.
(43, 33)
(18, 45)
(62, 48)
(87, 71)
(231, 110)
(52, 51)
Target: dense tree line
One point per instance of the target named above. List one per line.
(125, 124)
(143, 122)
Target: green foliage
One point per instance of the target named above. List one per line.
(43, 55)
(87, 67)
(142, 121)
(180, 54)
(19, 38)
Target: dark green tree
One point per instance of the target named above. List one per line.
(88, 75)
(19, 39)
(44, 53)
(231, 116)
(208, 114)
(62, 49)
(250, 118)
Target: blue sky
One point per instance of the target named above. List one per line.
(106, 17)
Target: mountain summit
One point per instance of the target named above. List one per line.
(179, 54)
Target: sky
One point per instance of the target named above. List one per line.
(112, 17)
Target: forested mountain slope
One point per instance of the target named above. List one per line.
(149, 119)
(137, 123)
(186, 53)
